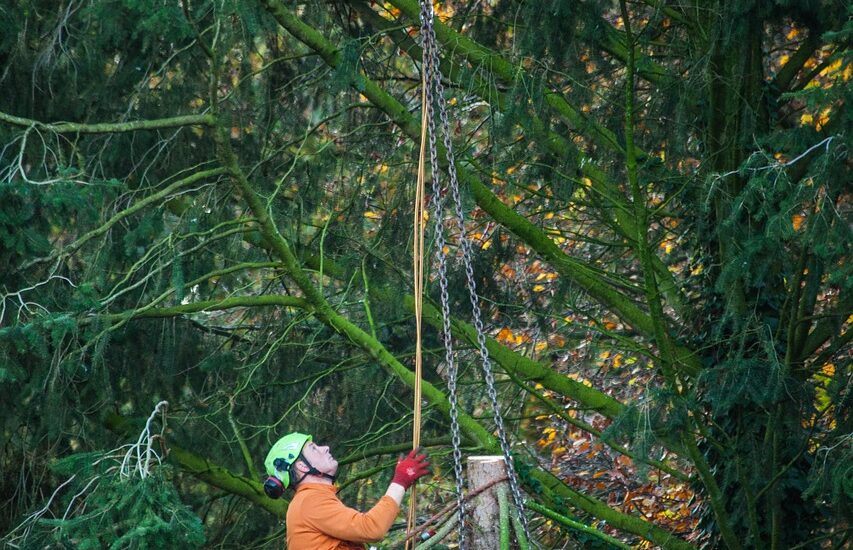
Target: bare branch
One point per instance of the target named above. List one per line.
(107, 127)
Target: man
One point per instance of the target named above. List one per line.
(316, 518)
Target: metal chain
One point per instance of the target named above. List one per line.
(435, 85)
(437, 206)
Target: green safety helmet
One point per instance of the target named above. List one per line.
(281, 457)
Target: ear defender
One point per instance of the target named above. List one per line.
(273, 486)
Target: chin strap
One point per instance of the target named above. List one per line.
(312, 471)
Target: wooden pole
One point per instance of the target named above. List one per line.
(484, 531)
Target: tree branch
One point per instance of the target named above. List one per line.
(210, 305)
(529, 233)
(322, 309)
(551, 141)
(109, 127)
(133, 209)
(210, 472)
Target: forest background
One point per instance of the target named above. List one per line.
(210, 203)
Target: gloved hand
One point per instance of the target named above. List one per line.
(410, 469)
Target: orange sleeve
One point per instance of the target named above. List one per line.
(331, 517)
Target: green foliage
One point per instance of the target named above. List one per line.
(155, 21)
(347, 72)
(98, 509)
(748, 212)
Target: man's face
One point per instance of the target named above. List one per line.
(320, 457)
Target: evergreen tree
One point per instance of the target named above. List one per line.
(209, 203)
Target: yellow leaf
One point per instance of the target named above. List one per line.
(505, 336)
(823, 118)
(797, 221)
(538, 288)
(827, 71)
(391, 9)
(372, 215)
(806, 118)
(792, 34)
(443, 10)
(540, 346)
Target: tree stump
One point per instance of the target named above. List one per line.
(484, 512)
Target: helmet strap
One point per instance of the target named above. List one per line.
(312, 471)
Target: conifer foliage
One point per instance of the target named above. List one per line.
(119, 499)
(209, 202)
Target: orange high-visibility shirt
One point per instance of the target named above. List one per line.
(318, 520)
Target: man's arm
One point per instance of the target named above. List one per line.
(396, 492)
(331, 517)
(341, 522)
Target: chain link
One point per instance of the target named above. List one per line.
(437, 206)
(435, 90)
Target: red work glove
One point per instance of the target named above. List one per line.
(410, 469)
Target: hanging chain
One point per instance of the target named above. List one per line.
(435, 85)
(437, 206)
